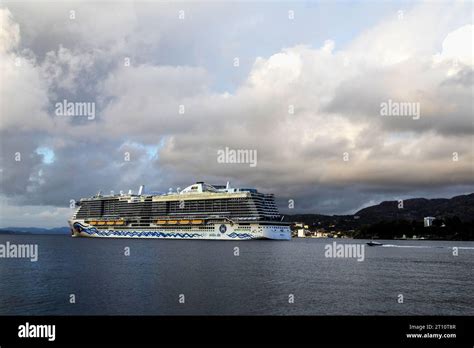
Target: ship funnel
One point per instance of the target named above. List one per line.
(121, 192)
(129, 192)
(140, 190)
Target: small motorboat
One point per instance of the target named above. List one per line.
(372, 243)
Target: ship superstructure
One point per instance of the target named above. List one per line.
(200, 211)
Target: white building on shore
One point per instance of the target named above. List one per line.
(428, 221)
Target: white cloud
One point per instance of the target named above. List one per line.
(23, 96)
(9, 31)
(457, 52)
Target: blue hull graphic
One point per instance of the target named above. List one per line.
(92, 231)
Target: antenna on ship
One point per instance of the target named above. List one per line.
(227, 186)
(140, 190)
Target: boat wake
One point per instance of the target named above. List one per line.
(424, 246)
(409, 246)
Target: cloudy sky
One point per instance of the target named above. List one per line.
(300, 83)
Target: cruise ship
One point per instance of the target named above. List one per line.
(200, 211)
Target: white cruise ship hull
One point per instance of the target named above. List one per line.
(222, 231)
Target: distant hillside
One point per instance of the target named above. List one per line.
(418, 208)
(34, 230)
(343, 222)
(414, 209)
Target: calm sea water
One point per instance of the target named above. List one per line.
(214, 281)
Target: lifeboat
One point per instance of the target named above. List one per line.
(197, 222)
(101, 223)
(93, 223)
(110, 223)
(183, 222)
(172, 222)
(161, 222)
(119, 222)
